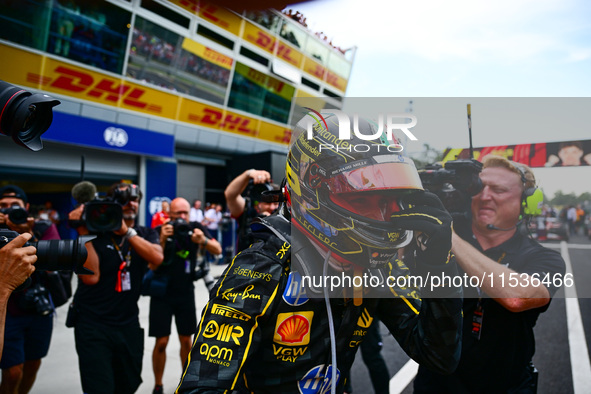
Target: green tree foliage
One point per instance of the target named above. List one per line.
(562, 199)
(428, 155)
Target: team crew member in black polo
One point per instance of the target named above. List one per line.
(109, 339)
(498, 340)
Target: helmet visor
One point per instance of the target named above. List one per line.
(371, 205)
(381, 176)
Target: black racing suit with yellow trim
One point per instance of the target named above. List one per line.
(259, 333)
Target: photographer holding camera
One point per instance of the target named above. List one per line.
(16, 265)
(245, 208)
(105, 313)
(184, 244)
(498, 340)
(29, 323)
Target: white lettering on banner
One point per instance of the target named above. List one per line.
(115, 136)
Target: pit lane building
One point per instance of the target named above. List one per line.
(178, 96)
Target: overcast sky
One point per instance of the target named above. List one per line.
(456, 48)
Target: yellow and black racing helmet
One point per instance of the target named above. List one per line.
(343, 192)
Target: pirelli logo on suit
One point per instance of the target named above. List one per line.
(230, 312)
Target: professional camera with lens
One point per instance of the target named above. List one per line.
(36, 299)
(56, 255)
(260, 192)
(103, 215)
(25, 115)
(182, 229)
(182, 232)
(454, 183)
(16, 214)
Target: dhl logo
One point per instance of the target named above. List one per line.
(334, 80)
(209, 12)
(108, 89)
(231, 122)
(271, 45)
(214, 14)
(286, 138)
(323, 73)
(316, 70)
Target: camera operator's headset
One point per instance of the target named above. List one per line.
(532, 197)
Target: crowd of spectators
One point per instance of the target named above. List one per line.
(268, 20)
(301, 19)
(161, 50)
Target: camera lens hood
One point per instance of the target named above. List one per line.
(25, 116)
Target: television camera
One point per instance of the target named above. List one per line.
(102, 214)
(454, 183)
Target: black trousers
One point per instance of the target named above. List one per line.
(109, 358)
(372, 358)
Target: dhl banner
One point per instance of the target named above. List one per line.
(207, 53)
(545, 154)
(44, 73)
(263, 39)
(266, 41)
(336, 81)
(212, 13)
(314, 68)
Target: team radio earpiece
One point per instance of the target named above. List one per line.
(532, 197)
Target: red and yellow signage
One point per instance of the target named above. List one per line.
(212, 13)
(314, 68)
(55, 76)
(207, 53)
(544, 154)
(269, 83)
(44, 73)
(266, 41)
(262, 38)
(336, 81)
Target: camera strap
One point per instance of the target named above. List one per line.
(184, 255)
(123, 275)
(478, 314)
(477, 318)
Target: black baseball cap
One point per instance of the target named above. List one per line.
(13, 191)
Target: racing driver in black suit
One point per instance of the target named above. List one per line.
(275, 322)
